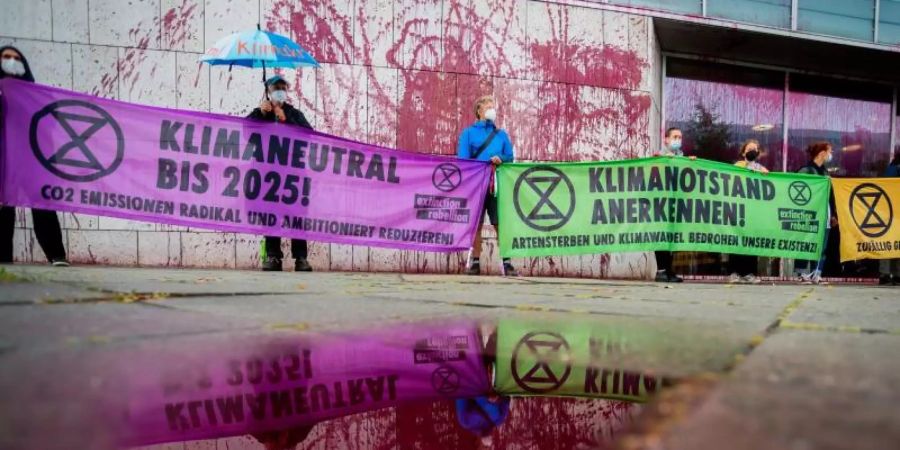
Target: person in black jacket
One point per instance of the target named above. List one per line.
(276, 109)
(890, 268)
(820, 153)
(46, 224)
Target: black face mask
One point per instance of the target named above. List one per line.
(751, 155)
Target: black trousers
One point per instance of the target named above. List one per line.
(664, 261)
(298, 248)
(46, 228)
(743, 264)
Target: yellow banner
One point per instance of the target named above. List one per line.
(866, 210)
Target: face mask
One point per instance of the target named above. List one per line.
(13, 67)
(829, 158)
(751, 155)
(278, 96)
(675, 145)
(491, 114)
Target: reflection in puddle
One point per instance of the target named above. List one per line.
(458, 383)
(533, 422)
(274, 384)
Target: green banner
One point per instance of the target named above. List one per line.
(663, 203)
(572, 358)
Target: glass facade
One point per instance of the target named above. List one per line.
(718, 107)
(853, 117)
(889, 22)
(851, 19)
(854, 19)
(776, 13)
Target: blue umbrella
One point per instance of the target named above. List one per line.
(257, 48)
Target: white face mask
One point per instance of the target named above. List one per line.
(13, 67)
(491, 114)
(278, 96)
(829, 158)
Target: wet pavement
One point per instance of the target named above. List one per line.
(96, 357)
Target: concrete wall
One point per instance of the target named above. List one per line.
(573, 83)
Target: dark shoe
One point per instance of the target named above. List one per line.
(885, 280)
(59, 263)
(675, 279)
(662, 277)
(272, 264)
(302, 265)
(509, 270)
(474, 269)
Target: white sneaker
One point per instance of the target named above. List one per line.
(750, 279)
(734, 278)
(806, 278)
(812, 278)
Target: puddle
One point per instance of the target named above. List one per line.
(518, 381)
(566, 423)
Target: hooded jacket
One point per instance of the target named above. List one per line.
(28, 75)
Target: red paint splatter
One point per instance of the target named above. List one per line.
(563, 423)
(176, 24)
(560, 100)
(323, 28)
(569, 113)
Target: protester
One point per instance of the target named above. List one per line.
(276, 108)
(743, 267)
(890, 268)
(483, 414)
(46, 225)
(484, 141)
(664, 259)
(819, 154)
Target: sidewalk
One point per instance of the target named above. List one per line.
(764, 366)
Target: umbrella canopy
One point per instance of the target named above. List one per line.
(257, 49)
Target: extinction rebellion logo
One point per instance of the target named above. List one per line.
(871, 210)
(76, 140)
(556, 198)
(446, 177)
(541, 362)
(800, 193)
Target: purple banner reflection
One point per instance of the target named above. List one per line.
(268, 384)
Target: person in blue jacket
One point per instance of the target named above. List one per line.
(483, 414)
(484, 141)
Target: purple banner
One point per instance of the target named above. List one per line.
(66, 151)
(218, 389)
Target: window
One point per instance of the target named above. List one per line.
(889, 22)
(681, 6)
(854, 117)
(847, 18)
(719, 107)
(776, 13)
